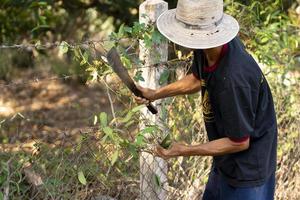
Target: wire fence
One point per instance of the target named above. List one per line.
(42, 161)
(51, 45)
(81, 163)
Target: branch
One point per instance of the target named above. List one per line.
(6, 189)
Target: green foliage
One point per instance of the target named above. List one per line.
(111, 154)
(31, 20)
(81, 178)
(163, 79)
(267, 31)
(166, 143)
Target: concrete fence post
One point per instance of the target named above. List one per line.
(152, 169)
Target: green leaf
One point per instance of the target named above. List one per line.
(81, 178)
(40, 27)
(82, 62)
(166, 143)
(38, 4)
(108, 131)
(139, 140)
(150, 129)
(86, 56)
(113, 36)
(147, 41)
(128, 124)
(42, 19)
(138, 76)
(164, 77)
(76, 54)
(128, 29)
(126, 62)
(121, 31)
(156, 37)
(103, 119)
(127, 117)
(114, 157)
(264, 40)
(108, 45)
(1, 196)
(138, 108)
(157, 181)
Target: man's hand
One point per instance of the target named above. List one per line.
(187, 85)
(148, 93)
(217, 147)
(173, 151)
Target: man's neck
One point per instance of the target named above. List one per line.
(213, 55)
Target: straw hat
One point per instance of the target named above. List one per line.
(198, 24)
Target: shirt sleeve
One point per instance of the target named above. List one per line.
(237, 110)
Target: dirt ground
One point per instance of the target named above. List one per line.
(48, 109)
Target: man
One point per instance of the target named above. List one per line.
(238, 108)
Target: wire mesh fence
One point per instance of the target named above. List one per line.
(45, 155)
(82, 163)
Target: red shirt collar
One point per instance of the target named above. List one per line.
(214, 66)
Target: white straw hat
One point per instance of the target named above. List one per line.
(198, 24)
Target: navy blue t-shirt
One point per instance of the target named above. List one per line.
(237, 103)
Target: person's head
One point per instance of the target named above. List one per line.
(198, 24)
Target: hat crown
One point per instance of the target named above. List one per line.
(199, 12)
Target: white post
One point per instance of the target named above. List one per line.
(152, 169)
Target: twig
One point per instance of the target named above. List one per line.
(6, 189)
(110, 100)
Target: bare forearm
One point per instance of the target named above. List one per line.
(214, 148)
(188, 85)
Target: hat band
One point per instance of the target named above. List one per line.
(200, 27)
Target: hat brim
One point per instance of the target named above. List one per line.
(221, 34)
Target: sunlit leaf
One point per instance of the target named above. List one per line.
(108, 131)
(103, 119)
(121, 31)
(138, 108)
(179, 54)
(150, 129)
(81, 178)
(126, 62)
(95, 120)
(63, 47)
(82, 62)
(127, 117)
(139, 140)
(114, 157)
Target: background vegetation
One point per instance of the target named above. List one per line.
(64, 139)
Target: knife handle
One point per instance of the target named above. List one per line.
(138, 93)
(152, 109)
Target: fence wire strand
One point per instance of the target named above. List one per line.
(80, 163)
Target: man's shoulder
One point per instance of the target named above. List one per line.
(240, 68)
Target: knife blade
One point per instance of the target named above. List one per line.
(114, 61)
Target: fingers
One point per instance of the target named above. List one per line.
(160, 152)
(140, 100)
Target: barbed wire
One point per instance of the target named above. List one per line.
(37, 80)
(50, 45)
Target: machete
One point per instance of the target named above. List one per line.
(114, 61)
